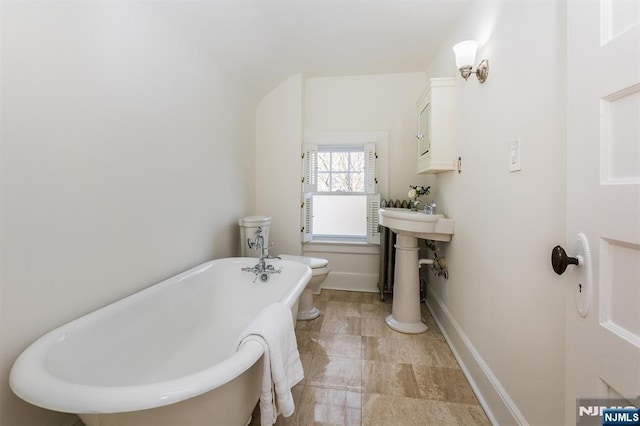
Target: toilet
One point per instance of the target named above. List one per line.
(319, 267)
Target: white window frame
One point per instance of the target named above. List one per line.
(309, 181)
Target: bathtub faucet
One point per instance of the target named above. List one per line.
(261, 270)
(258, 243)
(259, 246)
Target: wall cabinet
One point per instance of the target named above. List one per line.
(436, 144)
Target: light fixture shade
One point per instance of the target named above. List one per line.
(465, 52)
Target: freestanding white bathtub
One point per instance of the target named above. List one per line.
(163, 356)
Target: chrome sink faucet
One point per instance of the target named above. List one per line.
(261, 269)
(430, 208)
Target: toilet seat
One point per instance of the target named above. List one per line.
(311, 262)
(318, 266)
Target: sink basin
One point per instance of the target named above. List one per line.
(417, 224)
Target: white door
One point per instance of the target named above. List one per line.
(603, 200)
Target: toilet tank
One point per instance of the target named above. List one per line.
(249, 230)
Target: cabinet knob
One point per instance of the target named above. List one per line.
(419, 135)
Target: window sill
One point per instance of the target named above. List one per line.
(352, 247)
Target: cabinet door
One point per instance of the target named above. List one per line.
(424, 131)
(435, 127)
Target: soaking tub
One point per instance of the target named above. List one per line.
(163, 356)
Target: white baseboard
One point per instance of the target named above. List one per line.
(495, 400)
(351, 282)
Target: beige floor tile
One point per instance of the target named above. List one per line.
(322, 415)
(370, 297)
(353, 417)
(323, 296)
(389, 349)
(310, 325)
(349, 296)
(403, 379)
(307, 360)
(322, 406)
(320, 303)
(335, 373)
(347, 309)
(340, 345)
(326, 406)
(307, 341)
(376, 309)
(385, 410)
(329, 406)
(469, 414)
(431, 351)
(354, 399)
(434, 333)
(376, 326)
(428, 319)
(389, 378)
(342, 325)
(327, 396)
(425, 313)
(444, 384)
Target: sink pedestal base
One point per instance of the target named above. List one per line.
(405, 312)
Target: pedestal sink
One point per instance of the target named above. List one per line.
(409, 225)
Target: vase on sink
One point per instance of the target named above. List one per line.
(415, 205)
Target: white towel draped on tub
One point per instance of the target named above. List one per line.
(273, 329)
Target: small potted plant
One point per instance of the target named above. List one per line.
(415, 192)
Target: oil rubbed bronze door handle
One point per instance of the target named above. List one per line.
(560, 260)
(581, 278)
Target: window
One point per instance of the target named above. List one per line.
(340, 169)
(340, 188)
(339, 199)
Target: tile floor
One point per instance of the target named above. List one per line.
(360, 372)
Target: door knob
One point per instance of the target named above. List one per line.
(583, 276)
(560, 260)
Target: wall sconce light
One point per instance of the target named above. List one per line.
(465, 52)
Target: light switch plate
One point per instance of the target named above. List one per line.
(514, 156)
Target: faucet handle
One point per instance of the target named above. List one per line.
(430, 208)
(267, 255)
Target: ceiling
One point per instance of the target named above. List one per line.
(265, 41)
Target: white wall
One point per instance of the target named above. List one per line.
(502, 295)
(127, 156)
(278, 163)
(367, 103)
(385, 102)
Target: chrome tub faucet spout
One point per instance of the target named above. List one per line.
(261, 269)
